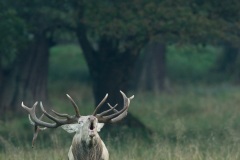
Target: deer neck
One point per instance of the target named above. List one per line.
(86, 148)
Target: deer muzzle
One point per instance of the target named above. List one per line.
(92, 126)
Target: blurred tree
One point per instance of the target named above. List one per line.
(109, 45)
(194, 22)
(152, 68)
(228, 62)
(12, 36)
(112, 34)
(227, 15)
(29, 31)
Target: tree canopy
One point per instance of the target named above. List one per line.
(172, 21)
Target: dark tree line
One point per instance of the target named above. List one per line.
(112, 35)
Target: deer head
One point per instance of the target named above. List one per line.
(85, 127)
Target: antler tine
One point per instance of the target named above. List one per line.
(32, 110)
(56, 120)
(115, 114)
(75, 106)
(126, 103)
(118, 115)
(125, 108)
(40, 125)
(30, 120)
(34, 118)
(33, 123)
(100, 104)
(111, 108)
(114, 110)
(41, 128)
(38, 122)
(37, 129)
(61, 115)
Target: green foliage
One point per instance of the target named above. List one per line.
(22, 21)
(192, 63)
(42, 15)
(25, 19)
(225, 18)
(12, 32)
(169, 21)
(67, 64)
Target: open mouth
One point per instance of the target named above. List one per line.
(92, 126)
(92, 130)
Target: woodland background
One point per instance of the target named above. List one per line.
(180, 58)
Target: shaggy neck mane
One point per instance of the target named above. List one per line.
(91, 150)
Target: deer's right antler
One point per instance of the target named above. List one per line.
(117, 115)
(58, 122)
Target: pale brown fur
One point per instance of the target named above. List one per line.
(83, 150)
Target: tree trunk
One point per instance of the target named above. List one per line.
(27, 80)
(110, 76)
(110, 72)
(229, 62)
(109, 69)
(153, 68)
(226, 62)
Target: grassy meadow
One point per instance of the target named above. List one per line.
(192, 121)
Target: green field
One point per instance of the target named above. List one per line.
(194, 121)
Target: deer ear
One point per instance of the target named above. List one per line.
(71, 128)
(99, 126)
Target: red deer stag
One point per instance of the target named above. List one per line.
(86, 143)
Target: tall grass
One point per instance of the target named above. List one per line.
(132, 148)
(191, 111)
(191, 123)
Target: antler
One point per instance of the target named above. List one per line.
(37, 129)
(100, 104)
(58, 122)
(102, 117)
(117, 115)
